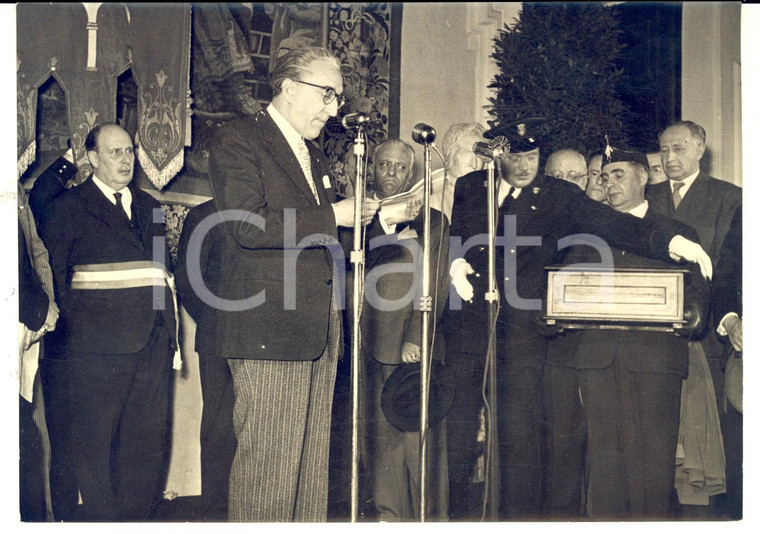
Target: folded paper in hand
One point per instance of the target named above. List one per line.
(404, 205)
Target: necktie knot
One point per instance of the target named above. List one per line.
(677, 193)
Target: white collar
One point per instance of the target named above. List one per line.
(108, 191)
(291, 135)
(506, 189)
(640, 210)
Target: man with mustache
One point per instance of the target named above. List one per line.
(535, 214)
(119, 328)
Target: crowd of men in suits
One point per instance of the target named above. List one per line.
(589, 423)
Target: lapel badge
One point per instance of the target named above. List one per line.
(326, 182)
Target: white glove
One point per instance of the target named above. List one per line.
(681, 248)
(458, 273)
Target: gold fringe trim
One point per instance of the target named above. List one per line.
(160, 178)
(27, 158)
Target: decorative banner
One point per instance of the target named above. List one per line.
(52, 41)
(159, 40)
(86, 47)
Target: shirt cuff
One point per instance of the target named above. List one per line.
(721, 326)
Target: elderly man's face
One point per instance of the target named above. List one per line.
(393, 169)
(569, 166)
(520, 168)
(310, 113)
(595, 186)
(114, 157)
(462, 159)
(656, 172)
(624, 183)
(680, 152)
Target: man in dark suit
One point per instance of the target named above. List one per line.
(706, 204)
(689, 195)
(535, 214)
(392, 336)
(630, 379)
(119, 322)
(276, 313)
(195, 248)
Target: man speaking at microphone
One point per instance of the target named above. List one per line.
(276, 315)
(535, 213)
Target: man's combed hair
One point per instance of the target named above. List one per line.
(91, 141)
(296, 62)
(695, 129)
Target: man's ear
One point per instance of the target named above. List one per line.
(288, 89)
(92, 156)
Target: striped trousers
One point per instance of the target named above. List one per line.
(282, 422)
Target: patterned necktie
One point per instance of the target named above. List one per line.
(677, 193)
(305, 161)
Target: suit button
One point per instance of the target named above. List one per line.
(511, 251)
(329, 281)
(506, 278)
(263, 346)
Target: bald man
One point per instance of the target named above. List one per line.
(569, 165)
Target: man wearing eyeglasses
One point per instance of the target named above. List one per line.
(568, 165)
(275, 313)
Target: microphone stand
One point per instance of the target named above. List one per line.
(357, 259)
(493, 474)
(426, 307)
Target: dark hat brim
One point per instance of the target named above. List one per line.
(400, 400)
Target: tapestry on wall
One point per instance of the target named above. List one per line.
(86, 48)
(365, 38)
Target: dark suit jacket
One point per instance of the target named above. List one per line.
(645, 351)
(708, 207)
(549, 209)
(385, 331)
(288, 265)
(727, 278)
(82, 227)
(33, 302)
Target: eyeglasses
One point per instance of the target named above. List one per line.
(571, 176)
(329, 93)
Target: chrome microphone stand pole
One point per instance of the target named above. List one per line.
(357, 259)
(425, 135)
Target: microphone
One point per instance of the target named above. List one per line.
(355, 120)
(486, 150)
(423, 134)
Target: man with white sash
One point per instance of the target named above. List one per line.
(107, 252)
